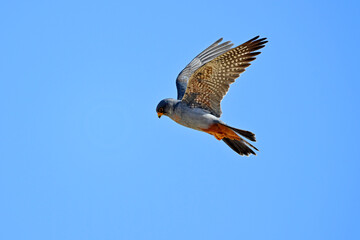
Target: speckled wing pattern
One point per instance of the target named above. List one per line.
(209, 84)
(202, 58)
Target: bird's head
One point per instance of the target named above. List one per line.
(165, 107)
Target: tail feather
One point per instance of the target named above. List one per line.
(240, 146)
(247, 134)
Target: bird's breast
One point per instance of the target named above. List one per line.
(195, 118)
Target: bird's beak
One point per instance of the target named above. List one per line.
(159, 114)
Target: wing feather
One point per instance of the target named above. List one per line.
(208, 85)
(202, 58)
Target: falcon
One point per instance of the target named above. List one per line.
(201, 86)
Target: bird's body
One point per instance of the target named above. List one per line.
(202, 85)
(199, 119)
(195, 118)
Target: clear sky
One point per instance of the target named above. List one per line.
(84, 156)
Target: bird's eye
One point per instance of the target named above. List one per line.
(161, 110)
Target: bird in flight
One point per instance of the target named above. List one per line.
(201, 86)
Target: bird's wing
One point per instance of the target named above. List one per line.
(209, 84)
(205, 56)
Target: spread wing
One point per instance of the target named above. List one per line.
(205, 56)
(209, 84)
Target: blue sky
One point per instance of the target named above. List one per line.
(84, 156)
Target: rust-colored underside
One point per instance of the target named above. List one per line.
(220, 131)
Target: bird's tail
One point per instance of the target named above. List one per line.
(249, 135)
(241, 146)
